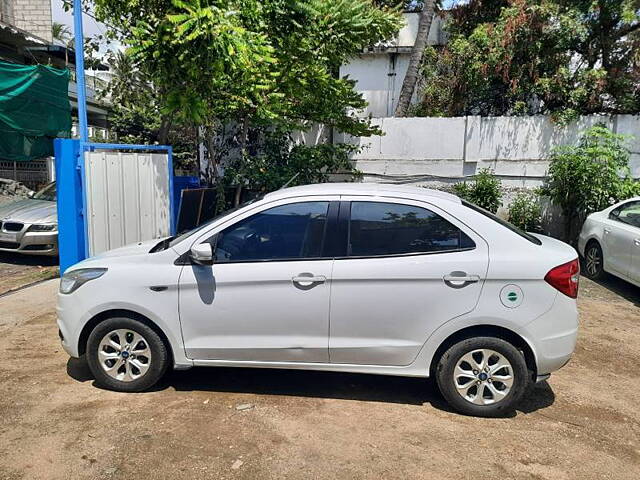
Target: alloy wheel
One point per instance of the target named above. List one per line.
(483, 377)
(124, 355)
(593, 261)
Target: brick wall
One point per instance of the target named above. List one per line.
(34, 16)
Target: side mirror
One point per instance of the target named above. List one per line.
(202, 254)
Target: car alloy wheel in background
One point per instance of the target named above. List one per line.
(593, 261)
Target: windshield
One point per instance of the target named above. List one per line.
(47, 193)
(176, 240)
(502, 222)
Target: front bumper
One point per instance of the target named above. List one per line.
(29, 243)
(69, 324)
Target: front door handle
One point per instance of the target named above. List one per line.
(460, 279)
(308, 279)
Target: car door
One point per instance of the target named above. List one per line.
(626, 220)
(409, 267)
(266, 297)
(619, 235)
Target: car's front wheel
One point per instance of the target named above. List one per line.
(483, 376)
(593, 261)
(126, 355)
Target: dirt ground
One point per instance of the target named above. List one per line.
(18, 271)
(54, 424)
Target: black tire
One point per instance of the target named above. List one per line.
(158, 360)
(593, 261)
(503, 406)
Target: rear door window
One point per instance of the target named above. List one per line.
(379, 229)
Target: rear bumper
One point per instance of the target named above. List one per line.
(554, 335)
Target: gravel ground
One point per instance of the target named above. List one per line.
(240, 423)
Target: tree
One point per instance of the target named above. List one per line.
(135, 115)
(523, 57)
(406, 5)
(251, 63)
(588, 177)
(417, 52)
(60, 32)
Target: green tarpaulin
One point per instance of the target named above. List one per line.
(34, 109)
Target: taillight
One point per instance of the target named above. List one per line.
(565, 278)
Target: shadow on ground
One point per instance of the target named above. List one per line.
(306, 383)
(28, 260)
(622, 288)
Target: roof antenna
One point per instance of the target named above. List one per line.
(289, 182)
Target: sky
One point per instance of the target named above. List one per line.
(91, 27)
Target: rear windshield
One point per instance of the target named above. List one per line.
(502, 222)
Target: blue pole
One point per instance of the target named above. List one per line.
(79, 47)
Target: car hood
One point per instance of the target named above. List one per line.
(30, 211)
(139, 248)
(118, 255)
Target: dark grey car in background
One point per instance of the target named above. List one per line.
(30, 225)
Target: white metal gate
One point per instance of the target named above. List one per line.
(128, 198)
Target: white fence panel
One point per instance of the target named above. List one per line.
(444, 150)
(128, 198)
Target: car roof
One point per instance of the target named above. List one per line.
(364, 189)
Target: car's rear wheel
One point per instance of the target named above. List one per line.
(483, 376)
(593, 261)
(126, 355)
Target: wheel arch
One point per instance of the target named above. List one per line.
(592, 239)
(485, 331)
(114, 313)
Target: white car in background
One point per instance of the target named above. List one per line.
(377, 279)
(610, 242)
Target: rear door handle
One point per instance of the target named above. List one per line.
(460, 279)
(606, 230)
(637, 242)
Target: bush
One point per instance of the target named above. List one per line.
(588, 177)
(484, 191)
(525, 212)
(629, 188)
(277, 160)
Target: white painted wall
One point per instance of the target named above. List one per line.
(380, 71)
(428, 151)
(127, 198)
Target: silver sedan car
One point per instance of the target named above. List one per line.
(610, 242)
(30, 225)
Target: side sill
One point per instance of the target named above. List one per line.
(402, 371)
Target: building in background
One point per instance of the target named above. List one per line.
(26, 38)
(380, 69)
(32, 16)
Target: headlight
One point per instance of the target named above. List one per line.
(43, 228)
(73, 280)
